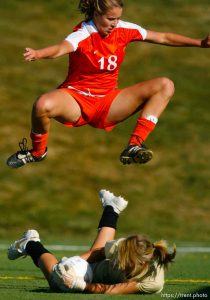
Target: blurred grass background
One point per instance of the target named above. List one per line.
(169, 197)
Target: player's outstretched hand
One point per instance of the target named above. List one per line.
(30, 54)
(205, 43)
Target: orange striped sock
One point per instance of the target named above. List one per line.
(39, 143)
(143, 128)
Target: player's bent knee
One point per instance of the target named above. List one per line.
(43, 105)
(167, 86)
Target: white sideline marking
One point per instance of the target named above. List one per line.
(193, 249)
(67, 248)
(190, 249)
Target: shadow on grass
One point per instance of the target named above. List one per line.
(43, 290)
(201, 293)
(204, 290)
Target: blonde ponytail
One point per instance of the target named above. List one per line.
(136, 253)
(161, 254)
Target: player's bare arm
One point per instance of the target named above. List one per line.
(69, 282)
(49, 52)
(176, 40)
(119, 288)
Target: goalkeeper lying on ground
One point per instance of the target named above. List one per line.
(124, 266)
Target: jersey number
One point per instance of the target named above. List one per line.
(111, 63)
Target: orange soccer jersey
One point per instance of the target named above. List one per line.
(95, 62)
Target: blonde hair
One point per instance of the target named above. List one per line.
(136, 253)
(87, 7)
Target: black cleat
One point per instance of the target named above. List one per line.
(135, 154)
(24, 156)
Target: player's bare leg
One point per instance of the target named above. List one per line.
(56, 104)
(150, 98)
(46, 263)
(113, 206)
(30, 244)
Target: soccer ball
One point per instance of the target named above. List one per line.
(78, 267)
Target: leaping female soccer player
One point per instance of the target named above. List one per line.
(89, 95)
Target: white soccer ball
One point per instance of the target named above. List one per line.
(76, 266)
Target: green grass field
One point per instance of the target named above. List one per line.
(187, 278)
(168, 198)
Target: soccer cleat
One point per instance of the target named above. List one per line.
(24, 156)
(136, 154)
(17, 249)
(108, 198)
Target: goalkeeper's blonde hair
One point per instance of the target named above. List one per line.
(136, 253)
(88, 7)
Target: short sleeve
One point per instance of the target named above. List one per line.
(152, 283)
(150, 287)
(80, 33)
(133, 31)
